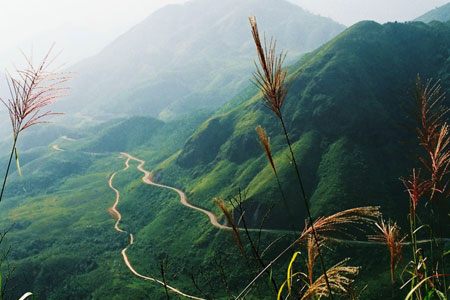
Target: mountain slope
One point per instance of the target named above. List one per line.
(441, 14)
(343, 114)
(190, 56)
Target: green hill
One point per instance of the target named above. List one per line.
(441, 14)
(344, 114)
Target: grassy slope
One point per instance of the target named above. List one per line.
(345, 113)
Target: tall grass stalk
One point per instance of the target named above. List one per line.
(237, 203)
(5, 177)
(433, 137)
(265, 144)
(389, 234)
(31, 89)
(270, 78)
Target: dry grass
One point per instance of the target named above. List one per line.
(330, 227)
(338, 277)
(390, 236)
(265, 144)
(313, 253)
(416, 188)
(270, 76)
(31, 90)
(433, 132)
(221, 204)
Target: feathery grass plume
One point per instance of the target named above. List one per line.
(416, 188)
(433, 136)
(221, 204)
(31, 90)
(390, 236)
(328, 227)
(440, 156)
(270, 79)
(265, 144)
(432, 131)
(313, 253)
(338, 276)
(270, 76)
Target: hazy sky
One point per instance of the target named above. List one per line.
(81, 28)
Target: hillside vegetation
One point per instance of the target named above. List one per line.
(346, 112)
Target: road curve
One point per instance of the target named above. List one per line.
(183, 200)
(116, 214)
(64, 137)
(56, 147)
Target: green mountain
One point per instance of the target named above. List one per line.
(347, 115)
(188, 56)
(441, 13)
(343, 113)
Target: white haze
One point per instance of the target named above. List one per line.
(81, 28)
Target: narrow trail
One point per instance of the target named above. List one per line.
(56, 147)
(116, 214)
(149, 180)
(68, 138)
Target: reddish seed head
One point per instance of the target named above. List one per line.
(31, 90)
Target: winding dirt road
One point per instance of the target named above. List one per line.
(116, 214)
(183, 200)
(56, 147)
(147, 178)
(64, 137)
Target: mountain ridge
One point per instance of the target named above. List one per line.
(441, 13)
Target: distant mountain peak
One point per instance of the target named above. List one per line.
(190, 56)
(441, 13)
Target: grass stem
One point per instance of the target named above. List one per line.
(7, 169)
